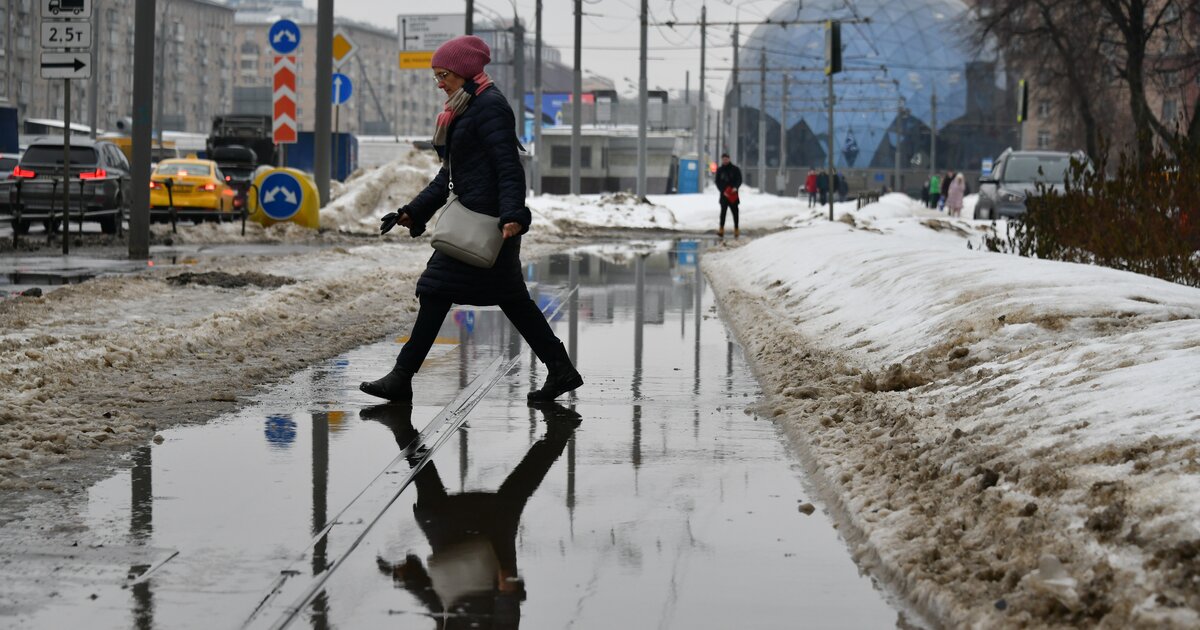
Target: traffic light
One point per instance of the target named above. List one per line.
(1022, 101)
(833, 47)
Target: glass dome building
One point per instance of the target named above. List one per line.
(909, 65)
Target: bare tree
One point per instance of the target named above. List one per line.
(1140, 43)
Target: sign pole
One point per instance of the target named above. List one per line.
(66, 237)
(337, 146)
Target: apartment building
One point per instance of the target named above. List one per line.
(194, 69)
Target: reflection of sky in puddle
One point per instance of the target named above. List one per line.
(670, 506)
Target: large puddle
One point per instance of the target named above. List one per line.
(653, 498)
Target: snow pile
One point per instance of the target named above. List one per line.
(1017, 440)
(685, 213)
(376, 192)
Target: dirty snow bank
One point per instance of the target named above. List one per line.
(99, 365)
(375, 192)
(1018, 440)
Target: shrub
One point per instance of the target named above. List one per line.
(1144, 219)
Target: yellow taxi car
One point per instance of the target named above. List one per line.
(195, 188)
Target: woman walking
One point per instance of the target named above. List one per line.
(954, 198)
(476, 140)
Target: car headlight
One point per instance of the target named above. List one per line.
(1012, 197)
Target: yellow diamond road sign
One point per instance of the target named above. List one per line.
(343, 49)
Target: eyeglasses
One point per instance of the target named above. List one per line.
(438, 77)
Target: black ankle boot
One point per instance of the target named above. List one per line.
(563, 377)
(395, 386)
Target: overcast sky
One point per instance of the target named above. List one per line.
(610, 33)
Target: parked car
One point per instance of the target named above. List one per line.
(99, 176)
(198, 190)
(1016, 175)
(238, 163)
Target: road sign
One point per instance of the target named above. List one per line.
(68, 65)
(280, 196)
(64, 9)
(343, 49)
(416, 60)
(342, 88)
(986, 167)
(284, 36)
(65, 34)
(427, 32)
(283, 126)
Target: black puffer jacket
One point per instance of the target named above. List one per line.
(489, 179)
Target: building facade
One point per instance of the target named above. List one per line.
(194, 75)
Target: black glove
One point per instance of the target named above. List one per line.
(389, 220)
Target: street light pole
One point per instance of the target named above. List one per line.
(736, 118)
(143, 107)
(537, 102)
(762, 121)
(642, 105)
(781, 182)
(701, 112)
(519, 70)
(576, 97)
(324, 99)
(469, 27)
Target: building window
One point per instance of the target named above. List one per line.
(560, 157)
(1043, 109)
(1043, 139)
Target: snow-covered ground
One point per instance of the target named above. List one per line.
(1016, 440)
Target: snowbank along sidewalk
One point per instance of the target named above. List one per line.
(1017, 441)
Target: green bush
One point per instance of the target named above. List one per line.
(1145, 219)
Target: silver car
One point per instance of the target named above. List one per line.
(1016, 176)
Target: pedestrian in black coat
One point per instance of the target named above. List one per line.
(823, 186)
(728, 178)
(475, 137)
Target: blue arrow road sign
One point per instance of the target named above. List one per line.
(342, 88)
(280, 196)
(284, 36)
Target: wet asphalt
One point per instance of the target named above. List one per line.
(654, 497)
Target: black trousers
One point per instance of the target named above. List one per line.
(732, 207)
(524, 315)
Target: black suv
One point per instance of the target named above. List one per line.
(100, 180)
(1016, 176)
(238, 163)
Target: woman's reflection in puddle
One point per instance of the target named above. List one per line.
(470, 579)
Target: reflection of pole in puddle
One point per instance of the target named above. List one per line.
(571, 484)
(573, 309)
(141, 526)
(639, 315)
(320, 501)
(463, 450)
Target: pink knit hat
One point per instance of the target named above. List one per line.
(465, 55)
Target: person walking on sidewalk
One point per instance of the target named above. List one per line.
(810, 186)
(823, 186)
(475, 133)
(935, 190)
(728, 179)
(954, 199)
